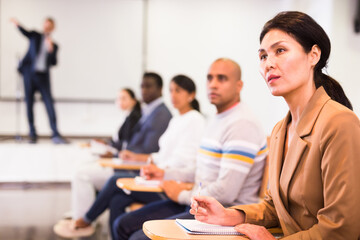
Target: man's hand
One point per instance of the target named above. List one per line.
(173, 188)
(127, 155)
(151, 171)
(14, 21)
(49, 44)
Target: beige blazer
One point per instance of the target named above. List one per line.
(314, 191)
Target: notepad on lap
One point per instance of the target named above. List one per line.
(192, 226)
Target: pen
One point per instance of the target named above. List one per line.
(150, 160)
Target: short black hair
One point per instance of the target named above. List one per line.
(156, 77)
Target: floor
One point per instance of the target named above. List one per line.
(35, 189)
(41, 162)
(29, 211)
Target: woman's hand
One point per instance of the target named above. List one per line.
(209, 210)
(100, 141)
(107, 155)
(254, 232)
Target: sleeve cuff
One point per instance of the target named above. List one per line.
(184, 197)
(249, 218)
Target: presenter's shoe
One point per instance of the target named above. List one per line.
(59, 140)
(66, 229)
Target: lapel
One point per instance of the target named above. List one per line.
(148, 119)
(276, 162)
(294, 156)
(292, 160)
(298, 145)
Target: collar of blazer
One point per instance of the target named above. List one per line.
(297, 146)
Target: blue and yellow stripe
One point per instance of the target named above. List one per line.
(230, 154)
(263, 150)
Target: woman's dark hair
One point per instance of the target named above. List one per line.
(308, 33)
(133, 97)
(188, 85)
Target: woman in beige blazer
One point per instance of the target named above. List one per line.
(314, 151)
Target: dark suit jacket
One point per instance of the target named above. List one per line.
(314, 189)
(146, 137)
(27, 64)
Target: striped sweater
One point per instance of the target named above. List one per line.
(231, 159)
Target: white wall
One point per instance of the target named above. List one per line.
(186, 36)
(74, 119)
(100, 44)
(345, 56)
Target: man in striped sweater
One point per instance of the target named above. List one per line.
(230, 160)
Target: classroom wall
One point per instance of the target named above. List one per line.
(100, 44)
(185, 37)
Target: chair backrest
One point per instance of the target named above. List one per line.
(265, 178)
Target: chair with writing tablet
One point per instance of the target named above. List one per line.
(130, 184)
(119, 164)
(138, 184)
(169, 229)
(265, 177)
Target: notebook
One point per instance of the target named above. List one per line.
(150, 183)
(192, 226)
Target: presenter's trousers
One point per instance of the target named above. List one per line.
(36, 81)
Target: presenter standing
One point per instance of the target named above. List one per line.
(35, 67)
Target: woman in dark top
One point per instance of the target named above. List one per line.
(127, 101)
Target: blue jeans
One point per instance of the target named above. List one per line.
(127, 224)
(114, 198)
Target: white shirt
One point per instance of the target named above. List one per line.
(179, 145)
(40, 62)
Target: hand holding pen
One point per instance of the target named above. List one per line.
(209, 210)
(151, 171)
